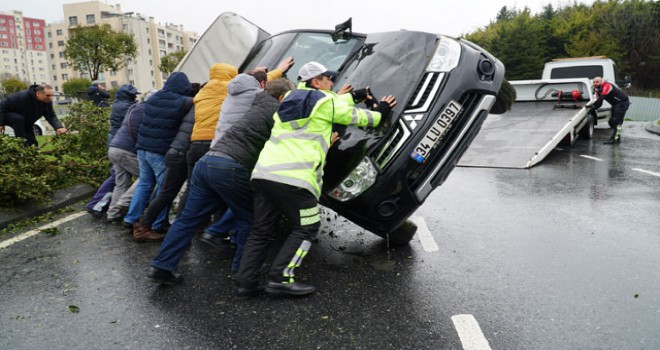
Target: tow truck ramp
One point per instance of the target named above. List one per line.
(535, 125)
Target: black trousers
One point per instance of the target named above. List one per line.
(271, 199)
(175, 176)
(196, 150)
(23, 127)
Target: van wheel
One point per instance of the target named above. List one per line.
(401, 235)
(588, 130)
(37, 130)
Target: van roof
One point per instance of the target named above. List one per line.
(579, 58)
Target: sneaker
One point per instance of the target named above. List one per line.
(95, 214)
(165, 277)
(289, 289)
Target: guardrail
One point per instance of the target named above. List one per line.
(643, 109)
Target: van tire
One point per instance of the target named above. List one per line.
(37, 130)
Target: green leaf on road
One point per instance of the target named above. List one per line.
(74, 309)
(51, 231)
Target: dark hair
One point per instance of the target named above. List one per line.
(195, 89)
(279, 87)
(260, 75)
(42, 88)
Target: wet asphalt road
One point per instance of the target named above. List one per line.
(560, 256)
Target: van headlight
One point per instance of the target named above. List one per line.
(446, 56)
(358, 181)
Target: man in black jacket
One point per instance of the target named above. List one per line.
(221, 180)
(619, 102)
(22, 109)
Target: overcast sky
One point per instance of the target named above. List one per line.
(445, 17)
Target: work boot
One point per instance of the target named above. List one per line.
(143, 234)
(291, 289)
(612, 141)
(165, 277)
(218, 242)
(247, 290)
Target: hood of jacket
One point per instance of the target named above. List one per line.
(242, 83)
(222, 71)
(178, 82)
(126, 92)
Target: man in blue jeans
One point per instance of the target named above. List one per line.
(221, 180)
(163, 113)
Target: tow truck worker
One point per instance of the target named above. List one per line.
(288, 175)
(619, 101)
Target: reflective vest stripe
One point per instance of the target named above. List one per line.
(259, 173)
(309, 216)
(288, 166)
(300, 134)
(297, 259)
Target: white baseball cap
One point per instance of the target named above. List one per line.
(314, 69)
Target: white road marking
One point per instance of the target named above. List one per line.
(646, 172)
(468, 330)
(590, 157)
(36, 231)
(425, 237)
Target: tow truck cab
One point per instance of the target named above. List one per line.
(445, 88)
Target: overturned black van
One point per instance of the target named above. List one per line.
(376, 178)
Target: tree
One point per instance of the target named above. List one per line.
(98, 48)
(11, 85)
(76, 87)
(170, 61)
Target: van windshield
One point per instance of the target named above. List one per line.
(303, 47)
(576, 72)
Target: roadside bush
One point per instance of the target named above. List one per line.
(80, 156)
(25, 174)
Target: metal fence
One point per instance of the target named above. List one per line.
(643, 109)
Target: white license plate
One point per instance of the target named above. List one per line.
(444, 121)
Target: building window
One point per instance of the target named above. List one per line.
(54, 77)
(60, 43)
(37, 32)
(91, 19)
(130, 72)
(113, 73)
(65, 77)
(73, 21)
(114, 84)
(63, 65)
(58, 32)
(124, 27)
(38, 40)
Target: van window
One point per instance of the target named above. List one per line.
(576, 72)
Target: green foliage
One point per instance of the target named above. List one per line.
(626, 31)
(98, 48)
(25, 174)
(80, 156)
(170, 61)
(76, 87)
(12, 85)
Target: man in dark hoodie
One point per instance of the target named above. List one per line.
(220, 180)
(125, 97)
(163, 113)
(97, 94)
(22, 109)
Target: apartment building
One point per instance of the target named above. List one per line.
(23, 52)
(154, 40)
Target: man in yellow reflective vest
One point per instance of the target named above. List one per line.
(288, 176)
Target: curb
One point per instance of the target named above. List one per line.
(61, 198)
(653, 127)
